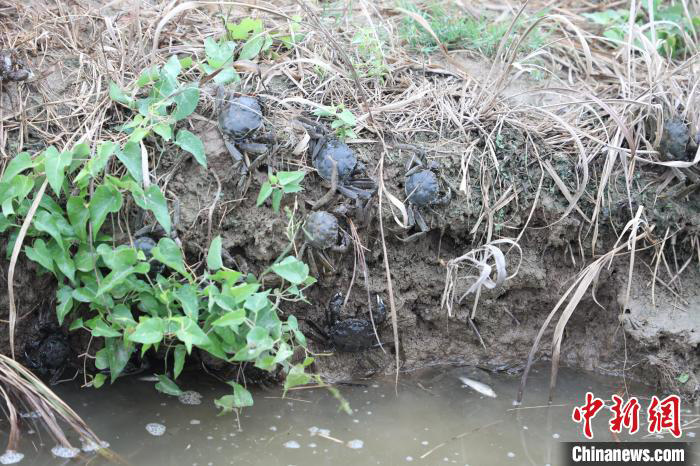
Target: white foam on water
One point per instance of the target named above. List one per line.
(11, 457)
(292, 444)
(89, 446)
(190, 397)
(355, 444)
(155, 429)
(65, 452)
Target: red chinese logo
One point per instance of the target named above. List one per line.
(661, 414)
(665, 414)
(587, 412)
(624, 416)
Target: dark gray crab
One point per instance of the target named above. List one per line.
(422, 190)
(241, 125)
(49, 354)
(336, 163)
(322, 232)
(146, 244)
(353, 334)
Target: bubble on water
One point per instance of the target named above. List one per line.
(555, 435)
(195, 422)
(65, 452)
(273, 428)
(155, 429)
(318, 431)
(511, 454)
(292, 444)
(409, 458)
(355, 444)
(11, 457)
(190, 397)
(89, 446)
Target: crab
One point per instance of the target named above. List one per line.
(422, 190)
(12, 69)
(322, 233)
(336, 163)
(353, 334)
(49, 354)
(241, 125)
(146, 244)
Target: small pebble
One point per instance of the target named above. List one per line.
(355, 444)
(155, 429)
(11, 457)
(292, 444)
(65, 452)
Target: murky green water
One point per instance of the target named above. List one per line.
(433, 420)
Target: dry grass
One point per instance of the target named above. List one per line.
(590, 125)
(20, 388)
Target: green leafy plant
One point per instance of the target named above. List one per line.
(458, 31)
(244, 40)
(671, 25)
(369, 49)
(343, 120)
(134, 303)
(278, 185)
(166, 102)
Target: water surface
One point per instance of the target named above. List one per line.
(432, 420)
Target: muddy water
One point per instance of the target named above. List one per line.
(433, 420)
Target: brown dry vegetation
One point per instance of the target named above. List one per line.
(565, 168)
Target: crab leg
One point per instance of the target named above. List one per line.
(331, 192)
